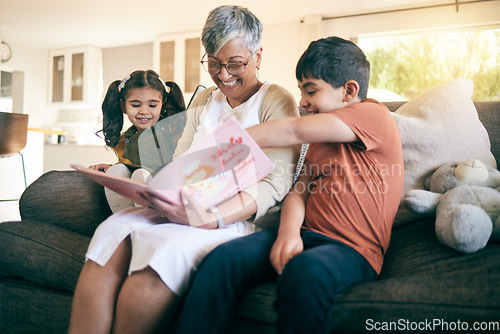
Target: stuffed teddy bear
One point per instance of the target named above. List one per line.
(465, 197)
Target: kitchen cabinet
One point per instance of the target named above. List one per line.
(75, 77)
(177, 58)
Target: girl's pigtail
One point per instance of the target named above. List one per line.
(174, 103)
(112, 115)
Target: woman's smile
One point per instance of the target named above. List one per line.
(229, 83)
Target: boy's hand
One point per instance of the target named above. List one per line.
(284, 248)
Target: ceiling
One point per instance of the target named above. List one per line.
(54, 24)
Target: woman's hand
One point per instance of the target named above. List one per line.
(190, 214)
(102, 167)
(284, 248)
(196, 214)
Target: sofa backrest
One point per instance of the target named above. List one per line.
(489, 114)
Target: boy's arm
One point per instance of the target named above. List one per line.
(318, 128)
(289, 243)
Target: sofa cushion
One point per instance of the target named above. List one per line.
(42, 253)
(66, 199)
(489, 114)
(437, 127)
(421, 280)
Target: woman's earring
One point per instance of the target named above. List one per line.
(257, 72)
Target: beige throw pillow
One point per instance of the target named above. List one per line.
(437, 127)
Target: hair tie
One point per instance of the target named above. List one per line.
(167, 89)
(122, 84)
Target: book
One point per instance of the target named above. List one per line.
(226, 162)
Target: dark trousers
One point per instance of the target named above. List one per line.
(305, 289)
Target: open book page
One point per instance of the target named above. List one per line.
(212, 174)
(126, 187)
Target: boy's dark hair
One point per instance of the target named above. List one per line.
(112, 115)
(336, 61)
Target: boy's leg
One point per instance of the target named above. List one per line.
(222, 279)
(310, 281)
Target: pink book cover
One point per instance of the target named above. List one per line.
(226, 162)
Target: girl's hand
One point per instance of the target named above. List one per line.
(102, 167)
(285, 247)
(190, 214)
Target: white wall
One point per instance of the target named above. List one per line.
(34, 63)
(118, 62)
(60, 157)
(281, 49)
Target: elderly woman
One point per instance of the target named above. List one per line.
(140, 260)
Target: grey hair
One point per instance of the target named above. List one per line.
(227, 22)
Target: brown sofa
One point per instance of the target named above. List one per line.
(424, 286)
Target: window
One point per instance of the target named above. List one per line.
(409, 65)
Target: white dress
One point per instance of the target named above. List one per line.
(174, 251)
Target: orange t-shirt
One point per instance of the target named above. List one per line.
(356, 187)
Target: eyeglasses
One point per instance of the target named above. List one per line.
(236, 68)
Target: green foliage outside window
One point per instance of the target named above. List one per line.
(409, 66)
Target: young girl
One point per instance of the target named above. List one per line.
(150, 142)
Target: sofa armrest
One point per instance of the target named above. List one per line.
(43, 254)
(66, 199)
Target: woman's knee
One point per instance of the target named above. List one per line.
(120, 260)
(107, 275)
(147, 279)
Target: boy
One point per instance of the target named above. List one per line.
(335, 223)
